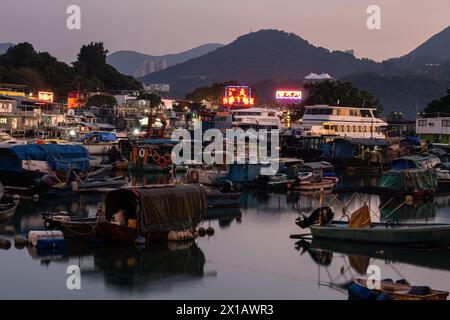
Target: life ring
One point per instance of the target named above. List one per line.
(141, 153)
(194, 176)
(168, 158)
(162, 162)
(156, 157)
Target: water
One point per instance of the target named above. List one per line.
(250, 255)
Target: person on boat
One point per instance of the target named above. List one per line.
(114, 155)
(120, 217)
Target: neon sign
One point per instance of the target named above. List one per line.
(288, 95)
(45, 96)
(238, 96)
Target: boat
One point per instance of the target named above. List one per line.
(99, 142)
(360, 228)
(316, 178)
(349, 122)
(443, 176)
(257, 118)
(41, 165)
(71, 227)
(208, 176)
(418, 183)
(396, 291)
(152, 154)
(148, 213)
(217, 199)
(7, 211)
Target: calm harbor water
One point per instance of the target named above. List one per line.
(250, 255)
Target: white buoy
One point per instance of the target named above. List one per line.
(35, 197)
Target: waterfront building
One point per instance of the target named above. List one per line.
(434, 129)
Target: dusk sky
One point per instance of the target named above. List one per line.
(170, 26)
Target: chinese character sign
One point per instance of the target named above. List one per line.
(238, 96)
(288, 95)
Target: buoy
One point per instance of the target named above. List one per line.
(20, 242)
(210, 231)
(409, 200)
(180, 236)
(5, 244)
(35, 197)
(201, 232)
(16, 198)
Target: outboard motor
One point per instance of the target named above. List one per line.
(322, 215)
(226, 186)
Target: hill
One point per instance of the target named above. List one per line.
(133, 63)
(254, 57)
(5, 46)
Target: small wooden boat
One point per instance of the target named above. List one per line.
(143, 214)
(7, 211)
(408, 234)
(217, 199)
(71, 227)
(397, 291)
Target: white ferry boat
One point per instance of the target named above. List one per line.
(350, 122)
(257, 118)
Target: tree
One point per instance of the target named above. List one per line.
(102, 101)
(441, 105)
(342, 93)
(153, 100)
(91, 57)
(213, 93)
(395, 116)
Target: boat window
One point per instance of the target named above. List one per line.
(336, 112)
(366, 114)
(446, 123)
(271, 114)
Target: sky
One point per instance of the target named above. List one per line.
(168, 26)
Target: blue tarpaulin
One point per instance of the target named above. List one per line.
(99, 136)
(58, 157)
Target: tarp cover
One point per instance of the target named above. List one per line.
(99, 136)
(161, 208)
(412, 180)
(59, 157)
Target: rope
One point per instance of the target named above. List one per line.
(79, 233)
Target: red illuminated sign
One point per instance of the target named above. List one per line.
(238, 96)
(288, 95)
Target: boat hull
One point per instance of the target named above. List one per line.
(406, 235)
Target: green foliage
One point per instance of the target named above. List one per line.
(395, 116)
(153, 99)
(102, 101)
(213, 93)
(21, 64)
(441, 105)
(344, 93)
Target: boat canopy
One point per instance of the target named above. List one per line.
(410, 180)
(415, 162)
(159, 208)
(59, 157)
(320, 165)
(346, 148)
(100, 136)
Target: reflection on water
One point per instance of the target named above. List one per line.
(250, 256)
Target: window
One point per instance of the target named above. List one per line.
(422, 123)
(446, 123)
(336, 112)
